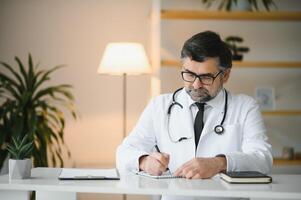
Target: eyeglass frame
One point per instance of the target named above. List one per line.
(201, 75)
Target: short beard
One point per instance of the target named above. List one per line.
(201, 95)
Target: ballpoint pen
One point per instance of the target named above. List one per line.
(158, 150)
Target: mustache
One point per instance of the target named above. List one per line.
(199, 91)
(200, 94)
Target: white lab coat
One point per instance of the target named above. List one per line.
(244, 141)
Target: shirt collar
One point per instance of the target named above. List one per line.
(216, 102)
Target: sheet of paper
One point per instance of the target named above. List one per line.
(73, 173)
(165, 175)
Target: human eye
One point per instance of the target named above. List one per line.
(188, 76)
(206, 79)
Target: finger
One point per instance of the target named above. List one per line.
(191, 173)
(178, 172)
(158, 166)
(181, 171)
(162, 157)
(165, 155)
(189, 163)
(196, 176)
(164, 160)
(161, 167)
(155, 167)
(155, 171)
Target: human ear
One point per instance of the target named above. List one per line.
(226, 75)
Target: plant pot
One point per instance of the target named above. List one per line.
(237, 57)
(19, 169)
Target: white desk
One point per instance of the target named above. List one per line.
(44, 181)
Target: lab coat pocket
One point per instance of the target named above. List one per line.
(229, 141)
(232, 138)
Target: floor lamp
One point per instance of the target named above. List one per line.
(124, 59)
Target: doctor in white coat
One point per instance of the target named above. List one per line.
(226, 133)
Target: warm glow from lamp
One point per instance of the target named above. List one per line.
(124, 58)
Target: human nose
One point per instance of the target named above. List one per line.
(197, 83)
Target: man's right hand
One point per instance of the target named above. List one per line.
(155, 163)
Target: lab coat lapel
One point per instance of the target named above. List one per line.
(216, 115)
(213, 119)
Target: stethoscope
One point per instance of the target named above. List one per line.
(218, 129)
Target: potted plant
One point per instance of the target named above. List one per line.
(250, 5)
(30, 105)
(20, 164)
(237, 51)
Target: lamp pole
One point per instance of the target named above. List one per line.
(124, 115)
(124, 105)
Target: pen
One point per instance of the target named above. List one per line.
(158, 150)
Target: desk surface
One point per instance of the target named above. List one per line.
(45, 179)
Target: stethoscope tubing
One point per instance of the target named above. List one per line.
(218, 129)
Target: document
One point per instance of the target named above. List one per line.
(88, 174)
(165, 175)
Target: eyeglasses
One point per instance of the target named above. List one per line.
(205, 79)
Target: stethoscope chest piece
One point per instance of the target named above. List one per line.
(219, 129)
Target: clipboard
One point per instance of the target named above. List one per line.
(89, 174)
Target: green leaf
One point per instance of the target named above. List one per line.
(18, 77)
(254, 3)
(28, 108)
(30, 73)
(25, 150)
(22, 70)
(10, 85)
(58, 154)
(27, 154)
(16, 143)
(22, 143)
(37, 77)
(49, 91)
(45, 76)
(12, 151)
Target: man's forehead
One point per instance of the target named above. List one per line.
(207, 66)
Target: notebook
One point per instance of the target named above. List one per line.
(165, 175)
(88, 174)
(245, 177)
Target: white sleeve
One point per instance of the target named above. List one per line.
(139, 142)
(256, 154)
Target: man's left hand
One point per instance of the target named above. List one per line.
(202, 168)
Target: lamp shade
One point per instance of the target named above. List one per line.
(124, 58)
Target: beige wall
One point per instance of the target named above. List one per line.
(75, 32)
(268, 41)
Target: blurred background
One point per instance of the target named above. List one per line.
(75, 33)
